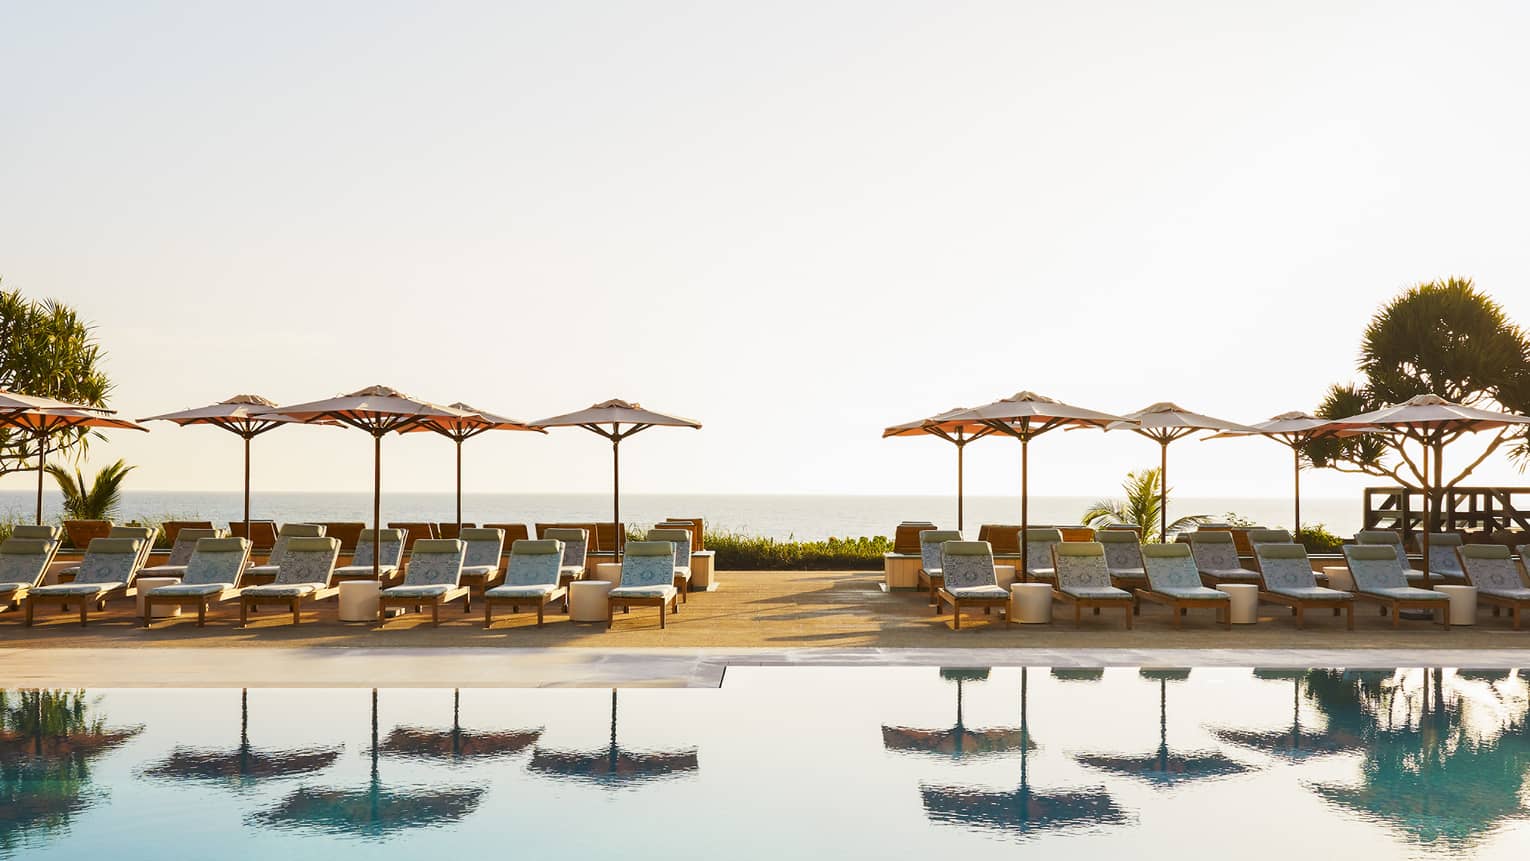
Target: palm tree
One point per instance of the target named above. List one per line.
(98, 500)
(1140, 507)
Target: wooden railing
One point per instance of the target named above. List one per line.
(1458, 509)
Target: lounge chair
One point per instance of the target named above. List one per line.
(648, 580)
(284, 537)
(930, 543)
(1123, 558)
(533, 577)
(415, 532)
(1083, 580)
(1039, 541)
(185, 545)
(307, 575)
(1379, 579)
(389, 560)
(576, 544)
(1174, 580)
(681, 538)
(608, 537)
(1285, 577)
(1216, 558)
(262, 534)
(1443, 561)
(212, 576)
(513, 532)
(453, 529)
(434, 577)
(1004, 538)
(906, 536)
(348, 531)
(699, 531)
(39, 531)
(108, 570)
(1491, 568)
(23, 564)
(480, 558)
(969, 579)
(144, 535)
(1388, 538)
(173, 528)
(1077, 533)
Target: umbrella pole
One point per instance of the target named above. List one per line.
(616, 500)
(246, 487)
(459, 486)
(961, 448)
(42, 457)
(1025, 509)
(1163, 491)
(1296, 475)
(376, 514)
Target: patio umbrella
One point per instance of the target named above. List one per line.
(44, 422)
(616, 413)
(1432, 422)
(378, 410)
(464, 427)
(958, 433)
(1164, 423)
(1297, 431)
(957, 740)
(374, 811)
(457, 743)
(246, 416)
(1297, 743)
(614, 766)
(1166, 767)
(1024, 809)
(245, 762)
(1025, 416)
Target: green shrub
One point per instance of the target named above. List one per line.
(1317, 539)
(736, 552)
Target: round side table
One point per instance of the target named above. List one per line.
(1030, 603)
(147, 584)
(1463, 603)
(358, 600)
(1245, 602)
(589, 601)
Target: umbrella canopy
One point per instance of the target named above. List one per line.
(614, 766)
(957, 740)
(457, 743)
(1164, 423)
(246, 416)
(958, 433)
(616, 413)
(1025, 416)
(44, 422)
(244, 762)
(15, 402)
(458, 429)
(1432, 422)
(1299, 742)
(378, 410)
(1295, 430)
(1166, 767)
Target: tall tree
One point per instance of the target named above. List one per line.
(47, 350)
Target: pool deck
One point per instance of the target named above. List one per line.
(811, 618)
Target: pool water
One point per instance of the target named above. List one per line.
(785, 763)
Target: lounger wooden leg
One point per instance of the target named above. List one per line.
(30, 603)
(540, 607)
(1179, 616)
(1351, 614)
(1516, 616)
(202, 615)
(244, 614)
(1395, 616)
(488, 613)
(1096, 611)
(956, 614)
(1301, 619)
(435, 614)
(662, 620)
(1128, 618)
(297, 611)
(84, 612)
(382, 613)
(1078, 614)
(610, 614)
(148, 610)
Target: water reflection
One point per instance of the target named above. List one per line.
(1165, 766)
(1299, 741)
(244, 763)
(457, 743)
(957, 740)
(47, 742)
(614, 766)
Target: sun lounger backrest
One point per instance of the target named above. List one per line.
(930, 542)
(186, 543)
(966, 564)
(1491, 567)
(309, 559)
(535, 563)
(681, 538)
(435, 562)
(1257, 537)
(1076, 533)
(513, 531)
(42, 531)
(648, 563)
(143, 534)
(1214, 551)
(1523, 552)
(217, 560)
(392, 548)
(286, 534)
(1285, 566)
(484, 546)
(1374, 567)
(1039, 541)
(110, 560)
(698, 531)
(1123, 550)
(575, 544)
(348, 531)
(1385, 538)
(1080, 565)
(906, 535)
(1002, 537)
(1170, 566)
(24, 560)
(1442, 553)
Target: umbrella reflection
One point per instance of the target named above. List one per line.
(373, 811)
(245, 761)
(457, 743)
(1166, 767)
(614, 766)
(1297, 742)
(957, 740)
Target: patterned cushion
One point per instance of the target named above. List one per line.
(216, 560)
(1095, 591)
(643, 591)
(930, 543)
(1520, 594)
(163, 571)
(1287, 572)
(114, 567)
(575, 542)
(60, 589)
(1171, 572)
(23, 567)
(1407, 593)
(1312, 593)
(531, 591)
(482, 554)
(978, 591)
(191, 590)
(1444, 562)
(970, 569)
(309, 566)
(431, 567)
(1373, 569)
(1038, 552)
(1123, 558)
(681, 538)
(646, 571)
(283, 590)
(1214, 554)
(419, 590)
(478, 572)
(1393, 541)
(392, 550)
(264, 570)
(1495, 576)
(1083, 572)
(1194, 593)
(364, 571)
(8, 588)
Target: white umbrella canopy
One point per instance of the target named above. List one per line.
(1026, 415)
(958, 432)
(379, 411)
(1165, 422)
(15, 402)
(461, 428)
(616, 413)
(1432, 422)
(46, 422)
(1296, 430)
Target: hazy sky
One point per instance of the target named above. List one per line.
(797, 222)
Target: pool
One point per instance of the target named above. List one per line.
(785, 762)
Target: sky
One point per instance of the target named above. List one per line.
(798, 222)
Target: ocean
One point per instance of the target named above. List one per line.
(805, 517)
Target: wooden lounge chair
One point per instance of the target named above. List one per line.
(930, 543)
(108, 570)
(480, 557)
(1216, 557)
(1004, 538)
(969, 580)
(1285, 577)
(1444, 563)
(453, 529)
(699, 531)
(1083, 580)
(648, 580)
(172, 528)
(1491, 568)
(513, 532)
(23, 564)
(307, 575)
(181, 550)
(1388, 538)
(389, 559)
(1174, 580)
(1077, 533)
(414, 532)
(1040, 564)
(262, 534)
(906, 536)
(434, 577)
(144, 535)
(607, 537)
(1123, 558)
(688, 526)
(681, 538)
(288, 533)
(1378, 579)
(348, 531)
(576, 544)
(533, 578)
(211, 577)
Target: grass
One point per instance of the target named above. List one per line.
(736, 552)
